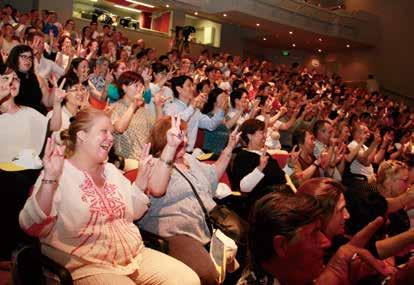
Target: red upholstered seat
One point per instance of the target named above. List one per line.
(200, 139)
(131, 175)
(281, 159)
(96, 103)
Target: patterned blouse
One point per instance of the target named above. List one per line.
(130, 143)
(90, 229)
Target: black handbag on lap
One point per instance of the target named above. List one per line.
(222, 218)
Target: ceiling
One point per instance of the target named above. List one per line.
(268, 34)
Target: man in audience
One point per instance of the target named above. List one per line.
(50, 24)
(362, 164)
(287, 246)
(188, 107)
(43, 67)
(99, 73)
(325, 143)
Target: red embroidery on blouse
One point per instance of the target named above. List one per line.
(107, 217)
(36, 229)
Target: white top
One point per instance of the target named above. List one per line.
(65, 60)
(25, 129)
(232, 112)
(45, 67)
(8, 46)
(250, 181)
(167, 94)
(357, 167)
(90, 230)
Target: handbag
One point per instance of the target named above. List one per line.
(222, 218)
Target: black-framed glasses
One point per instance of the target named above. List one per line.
(26, 57)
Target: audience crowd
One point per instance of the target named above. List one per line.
(322, 172)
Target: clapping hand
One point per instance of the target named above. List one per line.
(174, 135)
(234, 138)
(53, 160)
(264, 158)
(340, 264)
(159, 98)
(146, 163)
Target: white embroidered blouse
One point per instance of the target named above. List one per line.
(90, 230)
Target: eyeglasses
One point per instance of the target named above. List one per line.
(26, 57)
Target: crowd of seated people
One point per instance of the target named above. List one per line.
(324, 172)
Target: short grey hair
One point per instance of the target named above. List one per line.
(101, 60)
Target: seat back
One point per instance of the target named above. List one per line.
(26, 266)
(29, 265)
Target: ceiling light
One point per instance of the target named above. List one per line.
(196, 13)
(348, 46)
(319, 50)
(294, 45)
(290, 33)
(257, 25)
(140, 3)
(320, 39)
(94, 0)
(224, 15)
(128, 8)
(168, 5)
(264, 39)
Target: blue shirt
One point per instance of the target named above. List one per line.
(194, 118)
(48, 27)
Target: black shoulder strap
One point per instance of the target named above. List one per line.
(206, 215)
(48, 134)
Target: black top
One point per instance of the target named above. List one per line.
(30, 94)
(246, 161)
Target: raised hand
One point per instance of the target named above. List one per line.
(53, 160)
(264, 158)
(283, 110)
(147, 74)
(174, 135)
(340, 264)
(293, 156)
(146, 162)
(60, 94)
(224, 103)
(109, 77)
(109, 109)
(234, 138)
(199, 101)
(159, 98)
(377, 138)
